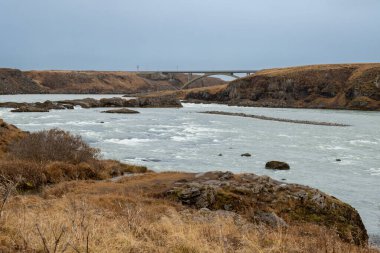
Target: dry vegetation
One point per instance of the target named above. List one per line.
(360, 68)
(88, 216)
(53, 156)
(55, 199)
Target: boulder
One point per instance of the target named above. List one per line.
(276, 165)
(263, 200)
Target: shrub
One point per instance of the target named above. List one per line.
(25, 174)
(53, 145)
(60, 171)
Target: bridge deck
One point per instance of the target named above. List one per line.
(196, 71)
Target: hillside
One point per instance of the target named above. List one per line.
(340, 86)
(14, 81)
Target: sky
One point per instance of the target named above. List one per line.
(186, 34)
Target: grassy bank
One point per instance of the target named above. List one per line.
(58, 195)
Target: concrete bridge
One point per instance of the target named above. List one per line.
(199, 74)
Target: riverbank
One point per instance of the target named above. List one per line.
(339, 86)
(135, 212)
(14, 81)
(193, 142)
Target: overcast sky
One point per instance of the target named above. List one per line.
(190, 34)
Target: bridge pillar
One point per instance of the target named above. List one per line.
(189, 77)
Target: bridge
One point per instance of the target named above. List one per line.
(199, 74)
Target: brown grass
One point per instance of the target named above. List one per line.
(359, 67)
(86, 216)
(72, 212)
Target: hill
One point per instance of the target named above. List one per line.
(13, 81)
(339, 86)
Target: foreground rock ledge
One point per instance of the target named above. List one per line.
(261, 199)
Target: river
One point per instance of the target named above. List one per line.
(185, 140)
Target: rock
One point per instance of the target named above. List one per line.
(84, 103)
(220, 155)
(30, 109)
(246, 155)
(160, 101)
(270, 219)
(276, 165)
(36, 107)
(153, 102)
(267, 201)
(338, 160)
(122, 110)
(112, 102)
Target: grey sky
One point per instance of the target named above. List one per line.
(193, 34)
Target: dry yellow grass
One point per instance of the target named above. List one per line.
(89, 216)
(360, 67)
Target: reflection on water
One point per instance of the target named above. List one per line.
(182, 139)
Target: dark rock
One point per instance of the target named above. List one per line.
(153, 102)
(122, 110)
(338, 160)
(30, 109)
(84, 103)
(276, 165)
(112, 102)
(246, 155)
(264, 200)
(220, 155)
(158, 102)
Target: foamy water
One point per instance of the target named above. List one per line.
(182, 139)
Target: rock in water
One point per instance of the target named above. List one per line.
(122, 110)
(246, 155)
(30, 109)
(276, 165)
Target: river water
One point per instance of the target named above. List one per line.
(185, 140)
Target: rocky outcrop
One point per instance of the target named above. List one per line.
(147, 102)
(343, 86)
(261, 199)
(162, 101)
(13, 81)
